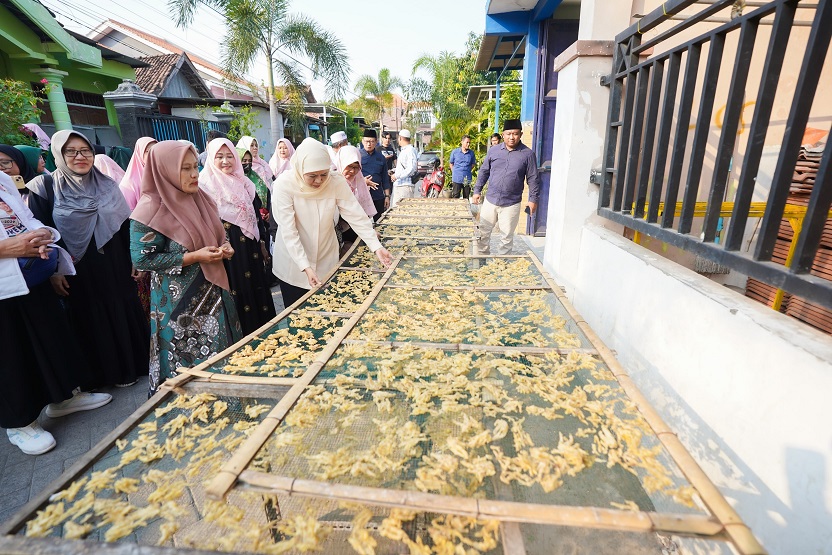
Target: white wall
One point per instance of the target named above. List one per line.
(746, 388)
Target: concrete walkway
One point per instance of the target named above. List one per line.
(24, 476)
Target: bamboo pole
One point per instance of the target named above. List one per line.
(327, 314)
(360, 269)
(455, 237)
(688, 525)
(466, 347)
(471, 288)
(738, 532)
(228, 475)
(472, 256)
(418, 224)
(237, 378)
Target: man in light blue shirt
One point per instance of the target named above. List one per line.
(462, 162)
(406, 166)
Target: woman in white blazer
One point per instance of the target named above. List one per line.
(306, 201)
(42, 364)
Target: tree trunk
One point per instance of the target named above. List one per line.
(273, 120)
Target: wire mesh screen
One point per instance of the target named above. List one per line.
(505, 273)
(344, 292)
(285, 349)
(517, 318)
(363, 257)
(547, 429)
(420, 230)
(149, 487)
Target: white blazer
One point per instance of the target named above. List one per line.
(306, 233)
(12, 283)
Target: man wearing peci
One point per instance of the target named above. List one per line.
(374, 168)
(462, 161)
(506, 168)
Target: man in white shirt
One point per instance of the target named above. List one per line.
(405, 168)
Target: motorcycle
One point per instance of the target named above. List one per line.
(432, 184)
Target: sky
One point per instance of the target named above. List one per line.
(375, 33)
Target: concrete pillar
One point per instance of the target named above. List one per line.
(55, 96)
(225, 113)
(580, 128)
(130, 102)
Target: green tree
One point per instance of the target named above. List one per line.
(265, 28)
(378, 92)
(18, 105)
(445, 91)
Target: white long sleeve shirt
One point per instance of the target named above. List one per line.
(306, 233)
(405, 166)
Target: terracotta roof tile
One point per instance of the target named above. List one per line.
(172, 47)
(152, 79)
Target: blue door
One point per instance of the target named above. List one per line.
(556, 36)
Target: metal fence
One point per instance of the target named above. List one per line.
(657, 137)
(174, 128)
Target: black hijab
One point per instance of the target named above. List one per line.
(26, 171)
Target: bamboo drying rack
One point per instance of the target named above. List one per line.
(722, 523)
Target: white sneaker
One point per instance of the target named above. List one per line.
(78, 402)
(32, 439)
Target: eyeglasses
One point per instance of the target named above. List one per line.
(6, 164)
(220, 157)
(72, 153)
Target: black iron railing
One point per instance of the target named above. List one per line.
(656, 149)
(174, 128)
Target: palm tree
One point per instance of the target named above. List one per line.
(444, 94)
(264, 27)
(378, 92)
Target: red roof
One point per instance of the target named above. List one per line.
(173, 48)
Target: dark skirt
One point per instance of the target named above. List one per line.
(106, 314)
(250, 284)
(42, 362)
(291, 293)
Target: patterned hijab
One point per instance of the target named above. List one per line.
(278, 164)
(131, 183)
(259, 165)
(189, 219)
(234, 194)
(86, 205)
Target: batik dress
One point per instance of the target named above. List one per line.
(191, 319)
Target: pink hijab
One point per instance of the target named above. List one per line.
(131, 183)
(349, 155)
(108, 167)
(234, 194)
(189, 219)
(278, 164)
(259, 165)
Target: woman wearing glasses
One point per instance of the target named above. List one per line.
(90, 212)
